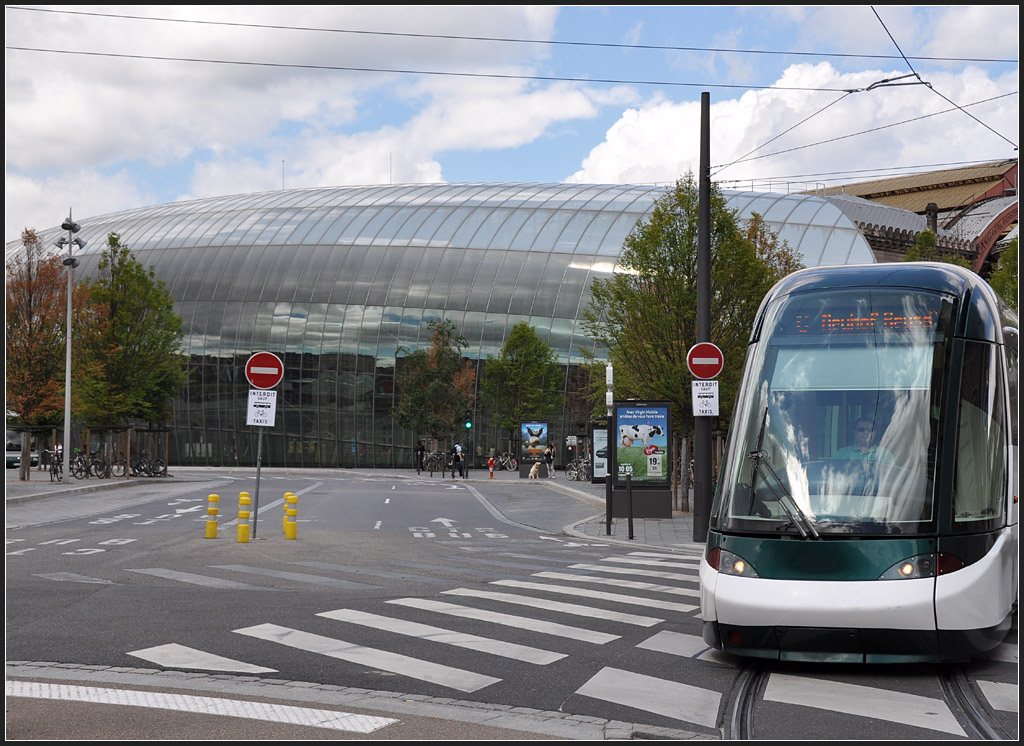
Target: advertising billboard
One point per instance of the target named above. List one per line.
(535, 438)
(600, 438)
(642, 432)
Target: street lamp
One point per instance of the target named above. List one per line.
(609, 398)
(70, 262)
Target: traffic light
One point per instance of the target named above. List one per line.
(469, 419)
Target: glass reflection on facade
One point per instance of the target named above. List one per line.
(335, 280)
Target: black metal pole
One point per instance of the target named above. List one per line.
(629, 502)
(702, 425)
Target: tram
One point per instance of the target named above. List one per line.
(866, 509)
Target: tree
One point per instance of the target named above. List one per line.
(136, 354)
(435, 385)
(926, 249)
(520, 384)
(1004, 276)
(645, 315)
(36, 296)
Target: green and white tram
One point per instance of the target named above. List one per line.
(867, 507)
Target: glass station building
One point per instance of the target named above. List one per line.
(335, 280)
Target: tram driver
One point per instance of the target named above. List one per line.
(864, 447)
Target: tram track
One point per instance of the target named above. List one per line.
(965, 701)
(739, 720)
(969, 707)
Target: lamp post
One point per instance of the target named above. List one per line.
(609, 398)
(70, 262)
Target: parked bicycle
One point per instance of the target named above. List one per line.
(435, 462)
(56, 466)
(84, 464)
(507, 462)
(578, 470)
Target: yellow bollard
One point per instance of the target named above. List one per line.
(211, 516)
(284, 518)
(243, 517)
(291, 514)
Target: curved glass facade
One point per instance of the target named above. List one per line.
(335, 280)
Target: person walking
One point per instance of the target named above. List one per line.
(420, 453)
(457, 460)
(549, 460)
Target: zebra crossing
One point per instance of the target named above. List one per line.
(599, 601)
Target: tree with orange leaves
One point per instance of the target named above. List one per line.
(36, 290)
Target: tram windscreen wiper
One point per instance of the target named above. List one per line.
(798, 517)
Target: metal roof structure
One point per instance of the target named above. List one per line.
(335, 281)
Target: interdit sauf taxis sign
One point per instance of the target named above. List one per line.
(262, 408)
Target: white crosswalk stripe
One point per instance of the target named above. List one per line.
(683, 702)
(591, 612)
(608, 569)
(447, 637)
(634, 584)
(510, 620)
(193, 579)
(684, 565)
(616, 597)
(453, 678)
(853, 699)
(180, 656)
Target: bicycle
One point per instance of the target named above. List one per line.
(578, 470)
(435, 462)
(507, 462)
(56, 467)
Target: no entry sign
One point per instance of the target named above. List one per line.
(264, 370)
(705, 360)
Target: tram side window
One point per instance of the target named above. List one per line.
(981, 437)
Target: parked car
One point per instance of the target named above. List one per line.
(14, 451)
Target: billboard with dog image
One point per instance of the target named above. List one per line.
(642, 432)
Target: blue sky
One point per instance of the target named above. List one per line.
(106, 113)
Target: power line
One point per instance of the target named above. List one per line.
(929, 85)
(864, 132)
(400, 71)
(507, 40)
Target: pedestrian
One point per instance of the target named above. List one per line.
(549, 460)
(420, 453)
(457, 460)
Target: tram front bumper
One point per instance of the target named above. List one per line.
(874, 621)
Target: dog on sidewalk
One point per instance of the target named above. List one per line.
(535, 471)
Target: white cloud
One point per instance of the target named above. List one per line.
(105, 134)
(659, 141)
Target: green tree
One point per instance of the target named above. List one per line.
(522, 382)
(926, 249)
(1004, 275)
(645, 315)
(137, 353)
(435, 385)
(36, 303)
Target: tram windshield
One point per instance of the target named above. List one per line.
(838, 420)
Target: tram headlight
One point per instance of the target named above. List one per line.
(920, 566)
(733, 564)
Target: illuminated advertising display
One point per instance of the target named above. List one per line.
(535, 439)
(642, 433)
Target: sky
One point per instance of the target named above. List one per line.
(109, 108)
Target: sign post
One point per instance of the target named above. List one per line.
(264, 370)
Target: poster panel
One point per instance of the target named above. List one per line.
(534, 436)
(641, 443)
(600, 437)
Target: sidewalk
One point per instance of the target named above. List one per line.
(673, 534)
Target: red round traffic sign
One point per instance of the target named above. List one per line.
(705, 360)
(264, 370)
